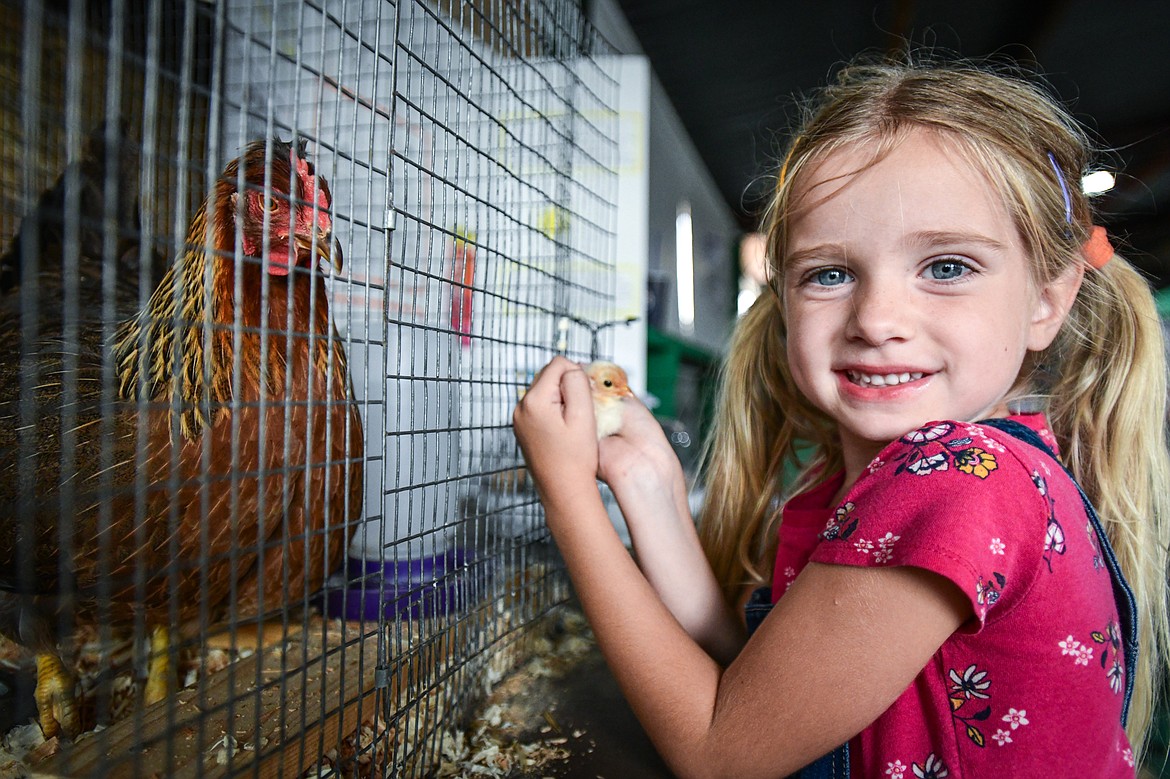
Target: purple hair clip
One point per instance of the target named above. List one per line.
(1063, 189)
(1097, 250)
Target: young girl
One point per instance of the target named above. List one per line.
(944, 321)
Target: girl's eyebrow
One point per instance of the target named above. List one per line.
(926, 239)
(935, 238)
(822, 252)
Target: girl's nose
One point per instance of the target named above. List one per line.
(881, 312)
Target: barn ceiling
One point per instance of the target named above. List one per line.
(732, 68)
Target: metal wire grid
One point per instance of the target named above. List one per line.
(471, 149)
(496, 144)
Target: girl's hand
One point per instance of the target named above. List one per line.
(556, 430)
(639, 454)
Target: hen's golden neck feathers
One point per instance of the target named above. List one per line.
(160, 352)
(179, 349)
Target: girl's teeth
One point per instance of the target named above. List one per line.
(882, 380)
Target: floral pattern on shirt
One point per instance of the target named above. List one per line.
(896, 769)
(882, 549)
(1054, 542)
(968, 691)
(996, 518)
(987, 591)
(1108, 641)
(930, 453)
(990, 444)
(931, 768)
(841, 524)
(1095, 543)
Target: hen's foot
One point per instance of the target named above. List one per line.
(56, 701)
(160, 676)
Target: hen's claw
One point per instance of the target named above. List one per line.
(56, 701)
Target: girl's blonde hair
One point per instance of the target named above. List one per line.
(1104, 376)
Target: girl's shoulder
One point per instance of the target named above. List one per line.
(967, 501)
(950, 472)
(972, 449)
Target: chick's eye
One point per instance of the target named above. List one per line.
(830, 277)
(607, 383)
(948, 269)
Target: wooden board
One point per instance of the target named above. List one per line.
(282, 707)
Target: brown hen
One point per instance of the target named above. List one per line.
(217, 474)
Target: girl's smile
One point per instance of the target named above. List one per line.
(907, 292)
(882, 383)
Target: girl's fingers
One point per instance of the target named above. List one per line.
(577, 396)
(562, 389)
(554, 426)
(543, 394)
(548, 381)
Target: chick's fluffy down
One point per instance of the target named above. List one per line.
(610, 387)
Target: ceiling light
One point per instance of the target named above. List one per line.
(1097, 182)
(684, 254)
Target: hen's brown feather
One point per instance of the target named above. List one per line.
(226, 452)
(102, 185)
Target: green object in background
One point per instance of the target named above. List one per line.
(667, 357)
(683, 376)
(1157, 760)
(1162, 298)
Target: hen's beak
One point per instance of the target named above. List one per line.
(322, 245)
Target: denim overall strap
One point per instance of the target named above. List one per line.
(1122, 594)
(834, 765)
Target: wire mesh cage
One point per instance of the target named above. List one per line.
(274, 276)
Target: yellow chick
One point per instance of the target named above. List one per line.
(610, 387)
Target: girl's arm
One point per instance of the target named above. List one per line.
(837, 650)
(647, 479)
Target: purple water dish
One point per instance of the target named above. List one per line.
(425, 587)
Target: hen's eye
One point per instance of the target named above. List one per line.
(272, 204)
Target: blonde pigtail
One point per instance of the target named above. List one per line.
(755, 431)
(1108, 409)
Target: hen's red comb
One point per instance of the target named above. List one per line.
(310, 192)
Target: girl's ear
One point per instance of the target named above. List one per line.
(1053, 303)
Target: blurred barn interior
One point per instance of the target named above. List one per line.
(731, 75)
(273, 274)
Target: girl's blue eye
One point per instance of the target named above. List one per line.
(830, 277)
(947, 270)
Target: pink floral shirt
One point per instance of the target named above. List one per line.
(1033, 685)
